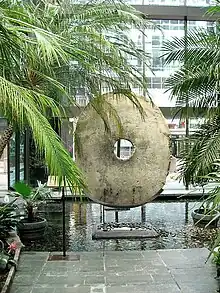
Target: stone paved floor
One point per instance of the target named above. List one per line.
(161, 271)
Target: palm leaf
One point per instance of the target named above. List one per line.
(49, 37)
(197, 81)
(200, 152)
(20, 105)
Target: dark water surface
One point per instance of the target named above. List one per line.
(171, 219)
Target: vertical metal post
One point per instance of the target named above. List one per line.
(187, 98)
(80, 213)
(17, 156)
(142, 245)
(116, 216)
(100, 218)
(8, 162)
(186, 212)
(74, 122)
(103, 214)
(9, 169)
(64, 221)
(118, 148)
(26, 156)
(117, 245)
(144, 67)
(143, 214)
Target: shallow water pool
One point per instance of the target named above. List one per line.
(171, 219)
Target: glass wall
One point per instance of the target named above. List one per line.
(200, 2)
(22, 154)
(16, 158)
(157, 73)
(196, 3)
(152, 42)
(165, 2)
(12, 160)
(3, 159)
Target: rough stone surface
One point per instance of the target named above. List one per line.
(155, 271)
(115, 182)
(124, 231)
(125, 234)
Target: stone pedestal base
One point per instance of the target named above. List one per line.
(124, 231)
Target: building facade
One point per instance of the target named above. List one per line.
(175, 19)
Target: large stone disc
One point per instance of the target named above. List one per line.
(117, 182)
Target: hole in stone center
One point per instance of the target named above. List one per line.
(123, 149)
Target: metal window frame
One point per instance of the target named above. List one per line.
(176, 12)
(153, 12)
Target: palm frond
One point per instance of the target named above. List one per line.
(94, 46)
(198, 88)
(108, 113)
(197, 80)
(46, 38)
(202, 149)
(197, 46)
(19, 105)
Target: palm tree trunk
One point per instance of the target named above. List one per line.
(5, 138)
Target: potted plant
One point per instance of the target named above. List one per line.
(31, 227)
(216, 259)
(207, 215)
(8, 219)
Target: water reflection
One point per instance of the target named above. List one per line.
(170, 219)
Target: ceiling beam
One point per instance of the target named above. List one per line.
(176, 12)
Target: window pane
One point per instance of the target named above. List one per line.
(164, 2)
(161, 71)
(12, 160)
(169, 29)
(3, 159)
(22, 137)
(173, 2)
(200, 2)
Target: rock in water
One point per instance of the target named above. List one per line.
(115, 181)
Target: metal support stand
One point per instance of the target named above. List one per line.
(118, 148)
(186, 212)
(64, 222)
(103, 214)
(101, 219)
(116, 217)
(103, 248)
(143, 246)
(143, 214)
